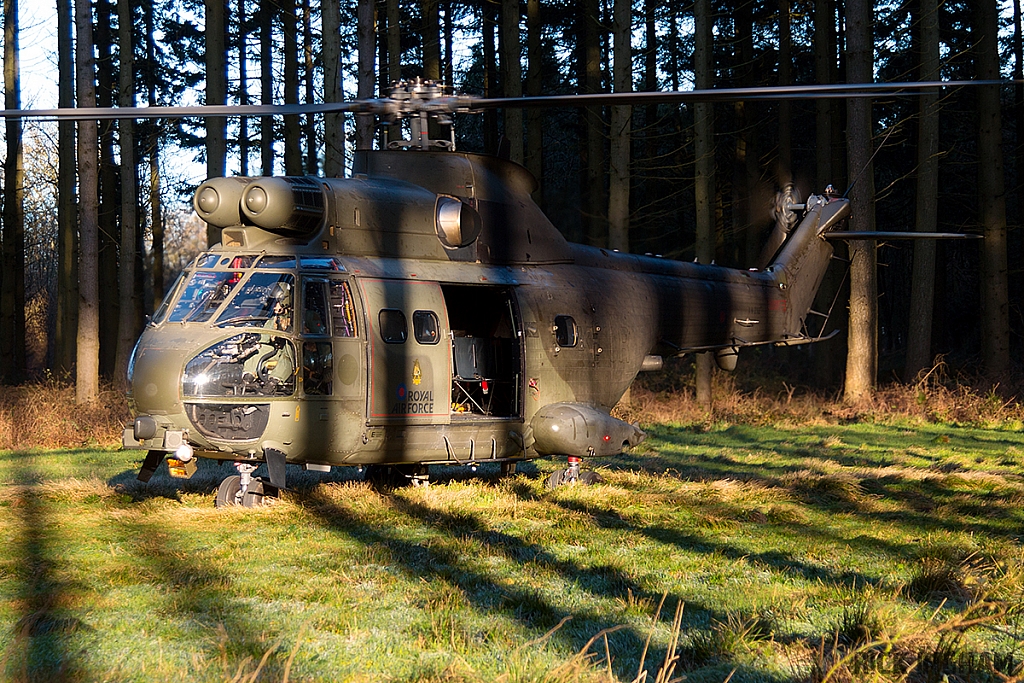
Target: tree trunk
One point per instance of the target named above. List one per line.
(267, 133)
(366, 31)
(334, 124)
(785, 170)
(394, 42)
(824, 69)
(380, 9)
(87, 379)
(512, 76)
(829, 358)
(216, 91)
(312, 162)
(995, 328)
(1017, 283)
(243, 91)
(534, 156)
(592, 201)
(129, 297)
(108, 193)
(153, 147)
(619, 157)
(431, 40)
(13, 276)
(745, 170)
(487, 21)
(704, 171)
(922, 293)
(290, 54)
(449, 44)
(862, 352)
(67, 212)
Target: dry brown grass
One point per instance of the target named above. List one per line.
(44, 415)
(937, 396)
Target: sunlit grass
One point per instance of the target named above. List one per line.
(794, 550)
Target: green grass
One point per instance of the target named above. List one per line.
(877, 548)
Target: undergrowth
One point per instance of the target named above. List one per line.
(939, 395)
(44, 415)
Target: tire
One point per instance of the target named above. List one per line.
(556, 479)
(589, 478)
(258, 493)
(229, 492)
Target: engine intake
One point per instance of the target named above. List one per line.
(286, 206)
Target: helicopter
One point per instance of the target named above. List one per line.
(424, 311)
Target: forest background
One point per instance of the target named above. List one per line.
(96, 221)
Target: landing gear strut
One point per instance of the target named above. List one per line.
(573, 474)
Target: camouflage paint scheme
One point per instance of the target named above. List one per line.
(394, 403)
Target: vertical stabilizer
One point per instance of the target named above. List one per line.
(800, 264)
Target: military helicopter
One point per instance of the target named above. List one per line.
(424, 311)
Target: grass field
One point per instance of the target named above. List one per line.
(857, 551)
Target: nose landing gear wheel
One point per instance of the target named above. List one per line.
(229, 492)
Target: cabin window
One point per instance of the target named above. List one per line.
(343, 310)
(426, 327)
(393, 328)
(314, 308)
(317, 368)
(566, 335)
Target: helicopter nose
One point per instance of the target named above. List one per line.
(155, 379)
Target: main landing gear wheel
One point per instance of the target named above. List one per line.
(573, 475)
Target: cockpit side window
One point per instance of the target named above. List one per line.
(343, 310)
(314, 308)
(161, 312)
(265, 300)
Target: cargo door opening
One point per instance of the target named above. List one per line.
(486, 351)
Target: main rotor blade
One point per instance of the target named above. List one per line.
(780, 92)
(213, 110)
(880, 235)
(398, 107)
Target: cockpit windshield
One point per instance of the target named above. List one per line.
(240, 290)
(203, 295)
(265, 300)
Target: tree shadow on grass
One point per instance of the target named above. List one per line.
(444, 561)
(43, 647)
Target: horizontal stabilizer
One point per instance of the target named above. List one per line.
(879, 235)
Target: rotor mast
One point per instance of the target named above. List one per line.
(419, 101)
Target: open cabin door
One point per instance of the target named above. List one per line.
(486, 348)
(409, 357)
